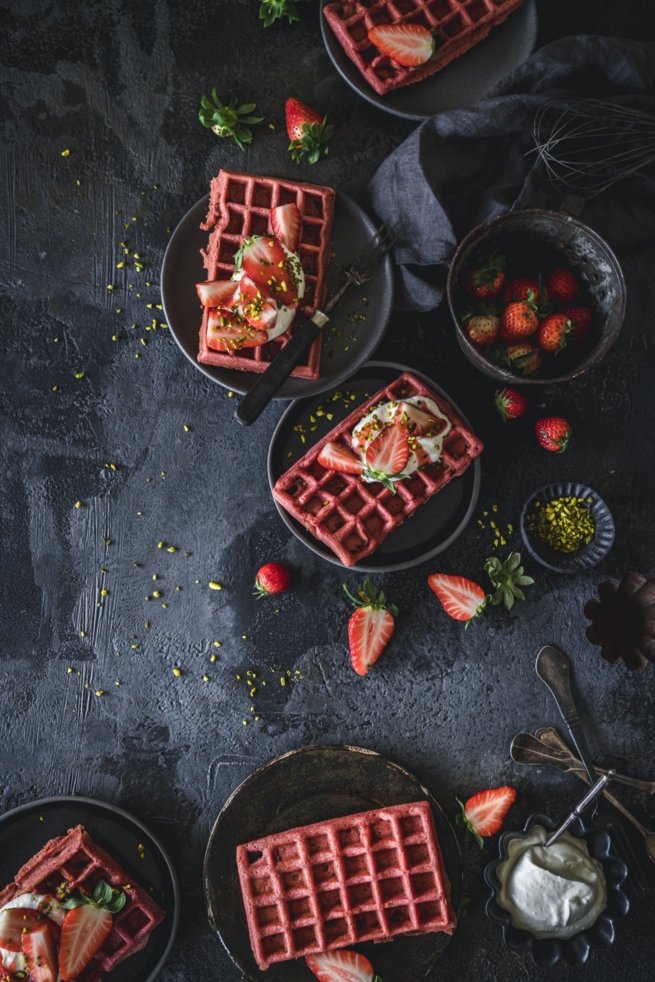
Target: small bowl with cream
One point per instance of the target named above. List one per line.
(557, 902)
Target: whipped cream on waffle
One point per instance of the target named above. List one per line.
(425, 447)
(285, 314)
(14, 961)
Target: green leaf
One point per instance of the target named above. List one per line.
(525, 581)
(72, 903)
(513, 560)
(102, 894)
(117, 903)
(247, 108)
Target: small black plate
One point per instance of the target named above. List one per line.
(461, 83)
(347, 340)
(305, 786)
(26, 829)
(433, 528)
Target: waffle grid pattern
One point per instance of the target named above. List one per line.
(240, 206)
(353, 517)
(457, 24)
(366, 877)
(74, 860)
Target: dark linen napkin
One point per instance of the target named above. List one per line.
(467, 166)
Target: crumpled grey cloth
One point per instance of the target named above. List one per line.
(466, 166)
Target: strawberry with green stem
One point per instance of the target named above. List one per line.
(87, 925)
(554, 333)
(229, 120)
(510, 404)
(507, 578)
(553, 433)
(371, 626)
(520, 319)
(272, 10)
(486, 280)
(387, 455)
(484, 813)
(271, 578)
(482, 326)
(309, 132)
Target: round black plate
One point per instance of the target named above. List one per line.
(346, 344)
(26, 829)
(459, 84)
(311, 785)
(433, 528)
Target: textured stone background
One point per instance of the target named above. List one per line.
(119, 85)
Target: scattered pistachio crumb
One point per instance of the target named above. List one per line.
(79, 504)
(216, 644)
(214, 585)
(65, 153)
(283, 680)
(82, 634)
(186, 428)
(205, 678)
(171, 549)
(177, 672)
(100, 693)
(104, 592)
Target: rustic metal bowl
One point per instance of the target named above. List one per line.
(546, 952)
(535, 233)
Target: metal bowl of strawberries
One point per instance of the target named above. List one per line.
(536, 297)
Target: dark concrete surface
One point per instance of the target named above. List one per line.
(119, 84)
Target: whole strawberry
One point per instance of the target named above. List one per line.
(520, 319)
(581, 318)
(562, 285)
(308, 131)
(553, 433)
(520, 289)
(371, 626)
(510, 404)
(486, 280)
(554, 333)
(523, 358)
(272, 578)
(482, 329)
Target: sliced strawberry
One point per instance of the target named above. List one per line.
(256, 305)
(285, 224)
(341, 966)
(40, 954)
(484, 813)
(389, 452)
(216, 293)
(418, 421)
(13, 922)
(228, 331)
(370, 627)
(45, 903)
(406, 44)
(335, 457)
(84, 931)
(266, 262)
(462, 599)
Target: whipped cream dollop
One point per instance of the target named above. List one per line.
(285, 314)
(552, 892)
(425, 447)
(14, 961)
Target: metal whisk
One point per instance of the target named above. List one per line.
(587, 146)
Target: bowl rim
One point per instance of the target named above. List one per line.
(591, 554)
(497, 371)
(559, 949)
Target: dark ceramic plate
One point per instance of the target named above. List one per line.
(585, 558)
(574, 951)
(301, 787)
(24, 830)
(347, 343)
(459, 84)
(433, 528)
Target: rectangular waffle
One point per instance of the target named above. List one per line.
(353, 517)
(239, 206)
(366, 877)
(456, 24)
(74, 862)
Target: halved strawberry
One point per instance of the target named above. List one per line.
(87, 925)
(484, 813)
(40, 955)
(370, 627)
(418, 421)
(462, 599)
(256, 305)
(13, 922)
(264, 259)
(228, 331)
(285, 224)
(341, 966)
(216, 293)
(389, 452)
(335, 457)
(406, 44)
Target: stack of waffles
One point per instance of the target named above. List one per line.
(367, 877)
(352, 516)
(239, 207)
(456, 24)
(74, 862)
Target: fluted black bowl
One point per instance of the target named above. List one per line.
(546, 952)
(585, 557)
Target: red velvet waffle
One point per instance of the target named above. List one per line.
(366, 877)
(74, 862)
(353, 517)
(239, 206)
(457, 25)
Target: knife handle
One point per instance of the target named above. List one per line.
(269, 382)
